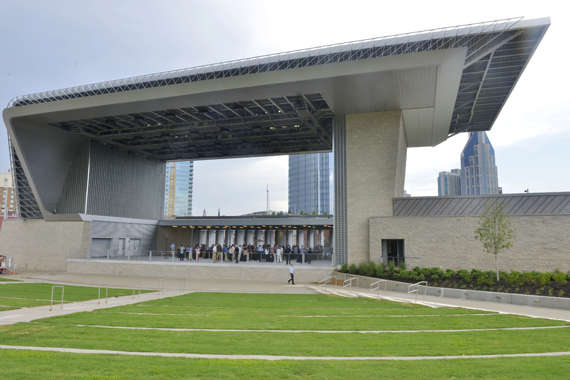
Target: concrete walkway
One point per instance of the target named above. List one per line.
(329, 331)
(272, 358)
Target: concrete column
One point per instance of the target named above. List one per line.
(375, 166)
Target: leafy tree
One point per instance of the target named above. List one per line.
(495, 230)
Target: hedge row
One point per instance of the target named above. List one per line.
(487, 278)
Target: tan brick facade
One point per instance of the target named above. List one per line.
(40, 245)
(542, 242)
(375, 164)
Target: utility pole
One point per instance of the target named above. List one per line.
(268, 208)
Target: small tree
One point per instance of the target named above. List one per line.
(495, 230)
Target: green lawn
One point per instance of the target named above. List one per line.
(46, 334)
(15, 296)
(31, 365)
(4, 279)
(293, 312)
(250, 312)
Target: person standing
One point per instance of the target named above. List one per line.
(292, 273)
(238, 254)
(214, 253)
(172, 248)
(287, 254)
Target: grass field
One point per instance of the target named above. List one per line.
(4, 279)
(31, 365)
(403, 330)
(15, 296)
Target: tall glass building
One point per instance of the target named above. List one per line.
(310, 183)
(478, 170)
(178, 188)
(449, 183)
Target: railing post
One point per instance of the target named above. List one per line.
(134, 287)
(62, 292)
(149, 255)
(108, 254)
(99, 293)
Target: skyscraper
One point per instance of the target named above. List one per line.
(478, 169)
(310, 183)
(178, 188)
(449, 183)
(7, 196)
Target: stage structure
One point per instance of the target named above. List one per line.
(98, 150)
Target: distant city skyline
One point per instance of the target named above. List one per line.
(178, 188)
(478, 166)
(449, 183)
(310, 187)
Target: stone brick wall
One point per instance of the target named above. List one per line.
(542, 242)
(375, 165)
(39, 245)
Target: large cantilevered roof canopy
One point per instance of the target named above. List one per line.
(445, 81)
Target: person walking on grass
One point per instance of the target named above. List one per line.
(292, 273)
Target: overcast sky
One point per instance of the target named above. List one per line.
(47, 45)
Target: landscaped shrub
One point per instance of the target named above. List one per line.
(403, 266)
(343, 268)
(464, 275)
(528, 278)
(352, 268)
(416, 269)
(415, 276)
(475, 273)
(486, 278)
(503, 275)
(514, 278)
(401, 274)
(434, 277)
(391, 267)
(447, 276)
(543, 279)
(380, 269)
(365, 269)
(559, 277)
(437, 272)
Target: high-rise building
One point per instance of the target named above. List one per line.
(310, 183)
(7, 196)
(478, 169)
(178, 188)
(449, 183)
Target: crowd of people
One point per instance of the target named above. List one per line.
(237, 253)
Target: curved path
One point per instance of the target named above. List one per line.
(328, 331)
(270, 357)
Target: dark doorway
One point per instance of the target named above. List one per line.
(393, 250)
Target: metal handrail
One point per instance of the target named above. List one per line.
(417, 285)
(377, 288)
(62, 291)
(99, 293)
(349, 281)
(324, 282)
(134, 288)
